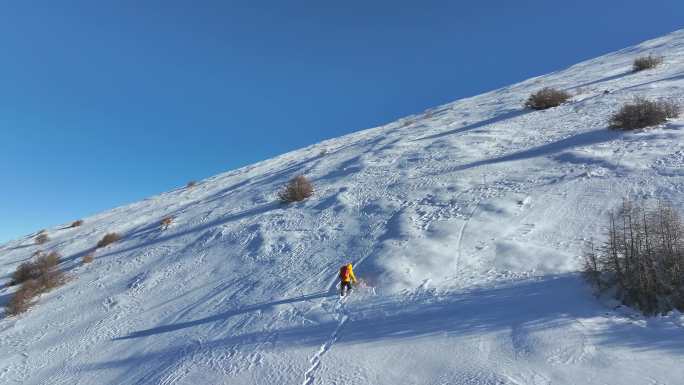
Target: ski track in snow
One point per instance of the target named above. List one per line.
(467, 220)
(461, 233)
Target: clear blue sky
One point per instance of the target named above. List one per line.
(107, 102)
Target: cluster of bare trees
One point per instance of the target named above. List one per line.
(642, 258)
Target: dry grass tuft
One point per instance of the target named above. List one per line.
(77, 223)
(88, 258)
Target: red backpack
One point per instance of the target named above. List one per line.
(345, 273)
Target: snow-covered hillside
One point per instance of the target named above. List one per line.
(468, 220)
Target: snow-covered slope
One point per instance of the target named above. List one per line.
(468, 221)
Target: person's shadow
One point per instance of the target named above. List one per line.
(225, 315)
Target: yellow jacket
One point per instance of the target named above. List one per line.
(350, 274)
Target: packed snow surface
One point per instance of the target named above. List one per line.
(466, 224)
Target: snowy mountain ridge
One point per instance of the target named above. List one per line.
(468, 222)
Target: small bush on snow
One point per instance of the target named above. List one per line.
(34, 269)
(35, 277)
(646, 62)
(77, 223)
(108, 239)
(166, 222)
(50, 276)
(22, 298)
(643, 113)
(88, 258)
(546, 98)
(297, 189)
(41, 238)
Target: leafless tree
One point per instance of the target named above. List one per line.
(642, 257)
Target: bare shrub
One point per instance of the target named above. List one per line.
(50, 280)
(23, 273)
(88, 258)
(49, 261)
(166, 222)
(45, 263)
(646, 62)
(297, 189)
(405, 122)
(546, 98)
(77, 223)
(41, 238)
(35, 277)
(108, 239)
(33, 269)
(192, 183)
(590, 268)
(22, 298)
(643, 113)
(642, 258)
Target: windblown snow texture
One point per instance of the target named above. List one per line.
(469, 220)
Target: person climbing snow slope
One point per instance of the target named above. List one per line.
(347, 277)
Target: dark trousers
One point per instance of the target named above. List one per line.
(347, 285)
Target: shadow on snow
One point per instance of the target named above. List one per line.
(604, 79)
(224, 315)
(522, 307)
(579, 140)
(496, 119)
